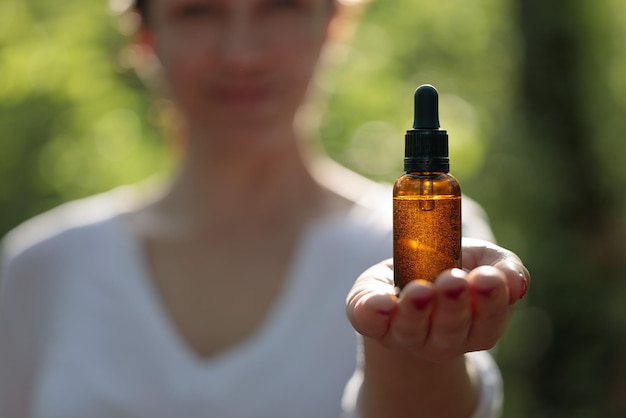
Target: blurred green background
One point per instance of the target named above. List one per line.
(533, 95)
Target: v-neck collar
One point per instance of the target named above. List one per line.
(280, 311)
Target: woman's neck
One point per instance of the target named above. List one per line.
(263, 185)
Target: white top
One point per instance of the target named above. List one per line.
(83, 333)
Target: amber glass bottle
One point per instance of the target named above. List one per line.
(426, 199)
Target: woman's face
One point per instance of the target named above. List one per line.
(238, 65)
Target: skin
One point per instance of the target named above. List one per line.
(239, 71)
(251, 60)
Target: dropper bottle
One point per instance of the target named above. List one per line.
(426, 199)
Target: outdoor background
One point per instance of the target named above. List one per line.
(533, 94)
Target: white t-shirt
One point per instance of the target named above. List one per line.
(83, 333)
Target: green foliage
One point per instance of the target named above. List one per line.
(469, 54)
(74, 120)
(557, 199)
(71, 122)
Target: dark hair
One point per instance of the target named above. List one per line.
(140, 6)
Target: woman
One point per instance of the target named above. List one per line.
(223, 294)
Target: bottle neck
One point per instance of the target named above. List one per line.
(426, 173)
(417, 165)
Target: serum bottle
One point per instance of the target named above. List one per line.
(426, 199)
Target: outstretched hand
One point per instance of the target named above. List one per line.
(463, 310)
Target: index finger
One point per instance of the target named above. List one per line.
(372, 301)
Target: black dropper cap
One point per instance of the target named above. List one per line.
(426, 145)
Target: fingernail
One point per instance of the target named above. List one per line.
(421, 303)
(524, 286)
(487, 292)
(454, 293)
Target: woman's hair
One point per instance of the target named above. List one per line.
(141, 6)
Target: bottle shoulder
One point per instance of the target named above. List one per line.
(427, 184)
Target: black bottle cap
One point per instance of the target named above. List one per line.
(426, 145)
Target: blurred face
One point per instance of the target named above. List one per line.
(238, 66)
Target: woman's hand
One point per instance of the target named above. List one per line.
(462, 311)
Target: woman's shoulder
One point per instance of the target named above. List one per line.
(56, 228)
(363, 198)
